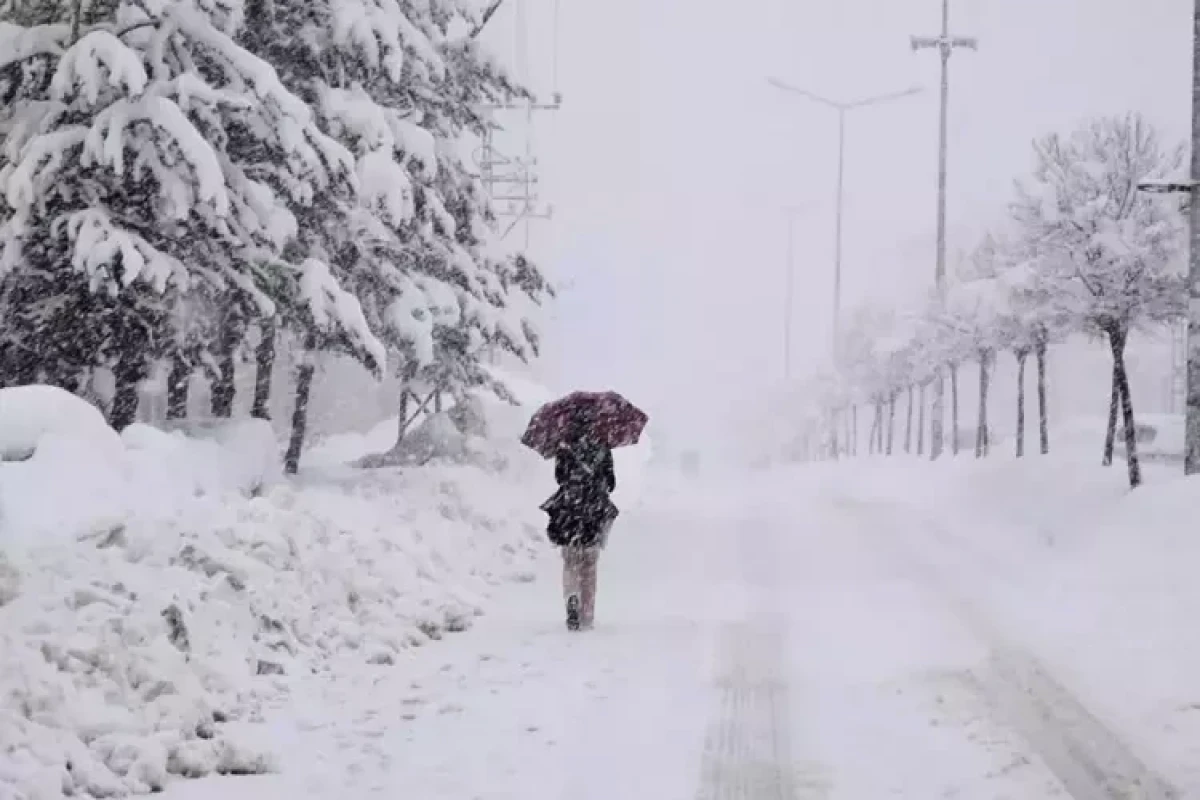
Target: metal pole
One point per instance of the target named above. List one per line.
(837, 258)
(841, 108)
(940, 271)
(789, 295)
(1192, 444)
(945, 45)
(937, 417)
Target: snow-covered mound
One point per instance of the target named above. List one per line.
(79, 478)
(188, 586)
(36, 416)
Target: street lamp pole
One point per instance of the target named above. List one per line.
(841, 108)
(789, 295)
(945, 44)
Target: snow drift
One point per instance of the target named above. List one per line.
(159, 594)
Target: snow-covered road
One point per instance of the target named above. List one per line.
(788, 646)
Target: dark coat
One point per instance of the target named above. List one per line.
(581, 511)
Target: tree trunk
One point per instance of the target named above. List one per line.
(304, 379)
(224, 387)
(1117, 340)
(880, 427)
(981, 429)
(128, 372)
(873, 437)
(178, 384)
(891, 430)
(1021, 356)
(954, 406)
(921, 422)
(908, 426)
(402, 423)
(1114, 402)
(1043, 420)
(833, 435)
(264, 367)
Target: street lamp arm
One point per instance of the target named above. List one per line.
(787, 87)
(884, 98)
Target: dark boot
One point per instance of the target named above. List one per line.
(573, 612)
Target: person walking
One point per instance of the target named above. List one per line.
(579, 431)
(581, 515)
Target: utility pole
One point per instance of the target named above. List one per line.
(1192, 435)
(945, 44)
(841, 108)
(1191, 188)
(512, 182)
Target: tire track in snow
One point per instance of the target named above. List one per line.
(1088, 757)
(748, 747)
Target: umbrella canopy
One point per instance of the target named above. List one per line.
(606, 416)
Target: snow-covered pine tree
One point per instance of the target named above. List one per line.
(148, 169)
(1111, 252)
(400, 84)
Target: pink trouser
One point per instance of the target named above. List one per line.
(579, 577)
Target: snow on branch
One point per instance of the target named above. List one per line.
(336, 312)
(39, 163)
(98, 61)
(110, 137)
(18, 43)
(385, 187)
(112, 257)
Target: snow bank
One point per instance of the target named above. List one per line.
(33, 416)
(79, 478)
(186, 589)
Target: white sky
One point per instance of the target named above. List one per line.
(672, 158)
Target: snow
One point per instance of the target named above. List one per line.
(18, 43)
(108, 254)
(98, 60)
(31, 416)
(110, 137)
(170, 593)
(974, 628)
(779, 630)
(386, 187)
(335, 309)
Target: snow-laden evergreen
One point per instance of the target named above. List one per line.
(179, 178)
(402, 86)
(152, 168)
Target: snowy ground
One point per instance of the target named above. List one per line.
(836, 632)
(877, 628)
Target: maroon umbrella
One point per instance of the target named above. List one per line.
(605, 415)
